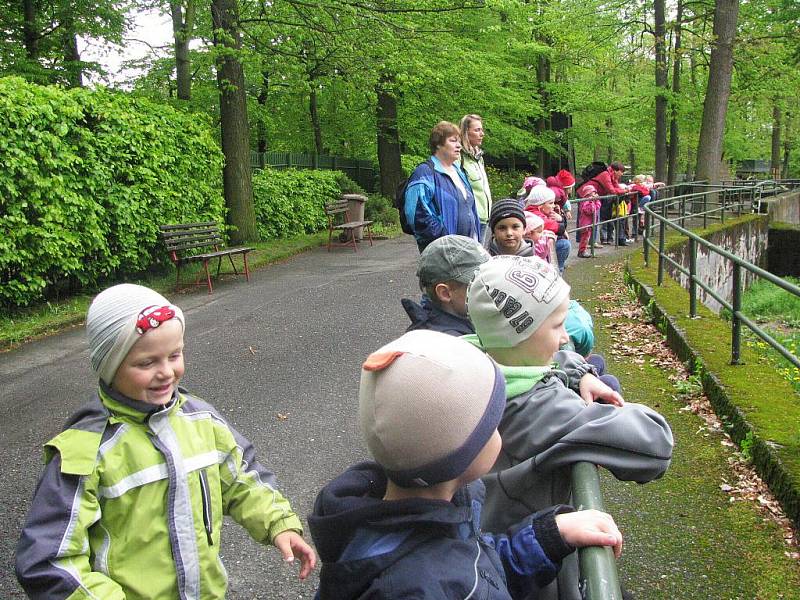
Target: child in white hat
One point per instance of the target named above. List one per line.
(557, 412)
(407, 525)
(131, 500)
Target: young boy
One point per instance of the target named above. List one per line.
(555, 415)
(507, 226)
(131, 501)
(408, 525)
(446, 267)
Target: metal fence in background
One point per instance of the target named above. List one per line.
(360, 171)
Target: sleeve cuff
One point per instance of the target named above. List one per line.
(291, 523)
(544, 525)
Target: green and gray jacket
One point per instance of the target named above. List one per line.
(476, 173)
(131, 501)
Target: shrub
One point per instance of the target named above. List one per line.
(347, 185)
(292, 201)
(381, 210)
(504, 184)
(87, 178)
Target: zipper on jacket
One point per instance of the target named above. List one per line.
(206, 496)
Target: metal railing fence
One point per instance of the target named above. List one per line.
(713, 203)
(360, 171)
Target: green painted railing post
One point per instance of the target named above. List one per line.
(736, 323)
(705, 211)
(722, 213)
(662, 231)
(692, 277)
(598, 579)
(646, 243)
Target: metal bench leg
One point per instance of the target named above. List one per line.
(235, 271)
(208, 276)
(369, 232)
(353, 240)
(246, 270)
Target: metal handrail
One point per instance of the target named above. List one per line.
(598, 567)
(751, 194)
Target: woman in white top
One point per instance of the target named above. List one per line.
(472, 163)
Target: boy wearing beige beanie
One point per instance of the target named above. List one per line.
(131, 500)
(407, 526)
(557, 412)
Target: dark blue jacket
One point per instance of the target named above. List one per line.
(424, 549)
(428, 316)
(435, 206)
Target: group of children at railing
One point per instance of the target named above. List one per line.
(470, 435)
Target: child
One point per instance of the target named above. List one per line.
(131, 501)
(407, 526)
(643, 192)
(543, 241)
(555, 415)
(541, 202)
(588, 213)
(446, 267)
(507, 227)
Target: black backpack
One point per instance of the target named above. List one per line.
(593, 170)
(400, 200)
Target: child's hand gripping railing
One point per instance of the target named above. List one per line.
(598, 567)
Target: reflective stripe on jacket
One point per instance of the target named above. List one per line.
(131, 501)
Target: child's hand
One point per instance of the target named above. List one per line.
(291, 545)
(592, 390)
(590, 528)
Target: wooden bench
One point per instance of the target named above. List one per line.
(338, 213)
(181, 239)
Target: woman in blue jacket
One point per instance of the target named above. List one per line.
(439, 200)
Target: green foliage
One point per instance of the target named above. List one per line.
(504, 184)
(292, 201)
(88, 176)
(381, 210)
(347, 185)
(746, 446)
(765, 301)
(409, 162)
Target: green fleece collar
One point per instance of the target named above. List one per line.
(518, 379)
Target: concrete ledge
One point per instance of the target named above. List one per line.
(766, 461)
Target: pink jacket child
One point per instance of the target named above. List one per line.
(588, 214)
(543, 241)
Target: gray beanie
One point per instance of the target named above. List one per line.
(504, 209)
(117, 317)
(450, 258)
(428, 404)
(511, 296)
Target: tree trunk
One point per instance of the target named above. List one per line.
(775, 162)
(72, 58)
(786, 147)
(661, 90)
(674, 140)
(632, 160)
(263, 94)
(182, 27)
(389, 164)
(237, 181)
(543, 122)
(312, 110)
(715, 106)
(29, 34)
(609, 148)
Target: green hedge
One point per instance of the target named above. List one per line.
(87, 178)
(292, 201)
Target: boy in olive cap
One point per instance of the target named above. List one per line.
(407, 526)
(557, 412)
(446, 267)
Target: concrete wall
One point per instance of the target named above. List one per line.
(747, 240)
(785, 208)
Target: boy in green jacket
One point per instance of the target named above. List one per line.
(131, 500)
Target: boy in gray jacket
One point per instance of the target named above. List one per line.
(557, 412)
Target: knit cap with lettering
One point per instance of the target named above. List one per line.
(511, 296)
(428, 404)
(117, 317)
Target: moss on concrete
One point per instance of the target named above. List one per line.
(747, 397)
(684, 538)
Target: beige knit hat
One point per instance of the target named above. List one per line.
(511, 296)
(428, 404)
(117, 317)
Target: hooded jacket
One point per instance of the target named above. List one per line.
(547, 427)
(424, 549)
(525, 248)
(131, 501)
(435, 206)
(428, 316)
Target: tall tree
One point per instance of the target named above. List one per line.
(661, 89)
(677, 59)
(715, 106)
(183, 15)
(388, 135)
(775, 159)
(235, 130)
